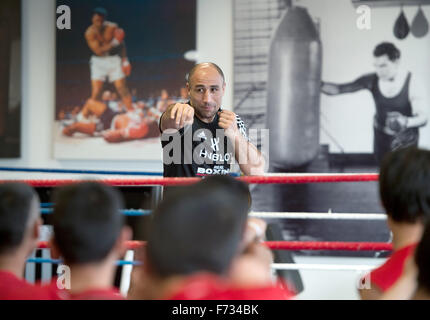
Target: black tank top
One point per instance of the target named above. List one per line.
(399, 103)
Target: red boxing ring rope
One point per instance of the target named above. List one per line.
(268, 179)
(332, 245)
(291, 245)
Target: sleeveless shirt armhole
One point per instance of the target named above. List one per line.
(242, 128)
(368, 81)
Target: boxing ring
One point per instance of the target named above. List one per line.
(52, 178)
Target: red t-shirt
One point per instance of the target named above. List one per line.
(209, 287)
(387, 274)
(91, 294)
(14, 288)
(98, 294)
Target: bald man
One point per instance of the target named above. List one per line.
(200, 138)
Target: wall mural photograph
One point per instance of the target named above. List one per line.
(118, 68)
(338, 85)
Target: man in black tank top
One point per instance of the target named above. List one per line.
(399, 108)
(200, 138)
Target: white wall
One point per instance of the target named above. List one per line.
(214, 42)
(215, 39)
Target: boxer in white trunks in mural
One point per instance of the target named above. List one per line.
(398, 99)
(109, 62)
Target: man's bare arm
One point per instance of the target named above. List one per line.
(123, 52)
(249, 158)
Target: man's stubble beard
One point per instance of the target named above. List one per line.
(206, 117)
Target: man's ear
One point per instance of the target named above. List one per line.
(33, 235)
(55, 252)
(126, 234)
(35, 232)
(390, 222)
(146, 261)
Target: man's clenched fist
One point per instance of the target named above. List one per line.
(183, 114)
(396, 122)
(227, 121)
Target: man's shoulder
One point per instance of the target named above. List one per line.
(367, 80)
(369, 76)
(90, 32)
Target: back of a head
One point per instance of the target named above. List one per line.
(87, 221)
(18, 209)
(198, 228)
(404, 185)
(422, 260)
(238, 188)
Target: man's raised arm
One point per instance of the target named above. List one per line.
(332, 89)
(249, 158)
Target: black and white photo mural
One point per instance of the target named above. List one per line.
(338, 83)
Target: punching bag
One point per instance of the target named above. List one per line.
(293, 91)
(401, 27)
(420, 25)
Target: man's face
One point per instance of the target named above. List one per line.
(98, 20)
(385, 68)
(206, 89)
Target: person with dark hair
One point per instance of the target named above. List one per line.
(199, 137)
(404, 187)
(89, 235)
(399, 101)
(195, 247)
(19, 235)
